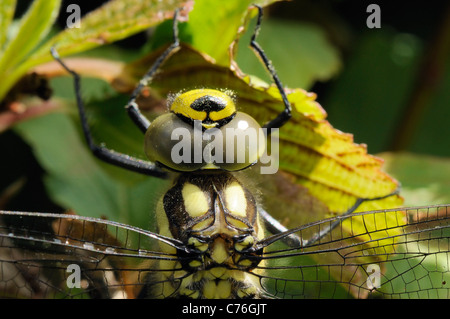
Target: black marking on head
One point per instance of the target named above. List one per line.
(209, 103)
(207, 120)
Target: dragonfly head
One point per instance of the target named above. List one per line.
(204, 132)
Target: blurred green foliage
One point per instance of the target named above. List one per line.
(365, 78)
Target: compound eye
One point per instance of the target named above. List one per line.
(170, 141)
(184, 147)
(244, 142)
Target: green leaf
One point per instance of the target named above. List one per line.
(78, 181)
(6, 16)
(33, 27)
(207, 28)
(115, 20)
(373, 87)
(301, 53)
(425, 179)
(317, 156)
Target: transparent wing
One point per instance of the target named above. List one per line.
(392, 253)
(389, 254)
(68, 256)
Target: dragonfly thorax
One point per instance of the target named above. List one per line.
(216, 218)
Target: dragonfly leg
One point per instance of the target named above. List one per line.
(132, 108)
(349, 211)
(101, 152)
(275, 227)
(292, 240)
(285, 115)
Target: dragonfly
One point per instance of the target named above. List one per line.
(213, 239)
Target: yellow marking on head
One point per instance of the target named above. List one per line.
(182, 105)
(208, 126)
(195, 201)
(235, 200)
(210, 166)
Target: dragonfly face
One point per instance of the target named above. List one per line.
(211, 240)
